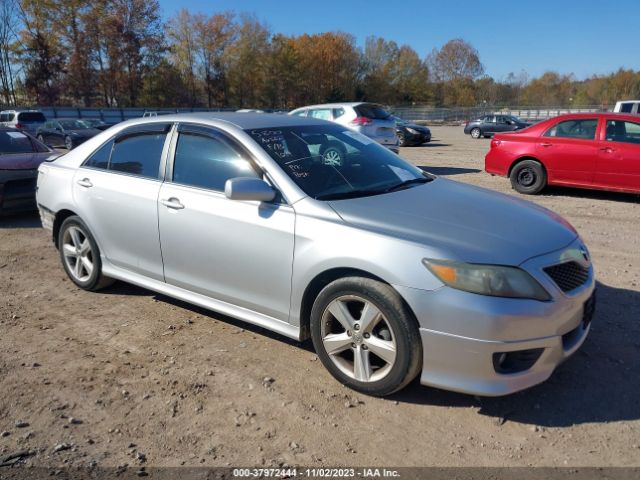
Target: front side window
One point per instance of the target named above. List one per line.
(622, 131)
(584, 129)
(206, 161)
(329, 162)
(14, 142)
(321, 113)
(138, 154)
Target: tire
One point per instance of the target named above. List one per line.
(476, 133)
(341, 336)
(333, 153)
(402, 142)
(68, 143)
(74, 235)
(528, 177)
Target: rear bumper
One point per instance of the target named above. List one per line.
(18, 191)
(498, 161)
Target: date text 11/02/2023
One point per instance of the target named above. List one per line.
(315, 473)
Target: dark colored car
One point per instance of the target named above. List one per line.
(65, 132)
(97, 123)
(490, 124)
(411, 134)
(588, 150)
(20, 156)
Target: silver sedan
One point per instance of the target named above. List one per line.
(392, 272)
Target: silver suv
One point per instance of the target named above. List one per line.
(369, 119)
(29, 120)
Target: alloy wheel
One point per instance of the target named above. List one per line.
(332, 157)
(77, 252)
(358, 338)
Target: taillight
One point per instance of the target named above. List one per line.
(361, 121)
(20, 125)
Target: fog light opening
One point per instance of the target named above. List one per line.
(515, 362)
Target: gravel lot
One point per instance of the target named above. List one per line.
(126, 376)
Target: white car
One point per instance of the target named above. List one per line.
(627, 106)
(368, 119)
(28, 120)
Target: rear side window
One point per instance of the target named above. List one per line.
(138, 154)
(100, 158)
(584, 129)
(31, 117)
(300, 113)
(15, 142)
(370, 110)
(625, 132)
(208, 162)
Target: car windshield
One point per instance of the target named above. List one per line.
(329, 162)
(73, 124)
(399, 121)
(15, 142)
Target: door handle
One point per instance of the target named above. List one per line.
(172, 202)
(546, 144)
(607, 149)
(85, 182)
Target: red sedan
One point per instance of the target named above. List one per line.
(594, 150)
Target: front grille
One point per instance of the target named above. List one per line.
(569, 275)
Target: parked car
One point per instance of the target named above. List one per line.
(627, 106)
(20, 156)
(411, 134)
(368, 119)
(589, 150)
(27, 120)
(96, 123)
(391, 271)
(65, 132)
(489, 125)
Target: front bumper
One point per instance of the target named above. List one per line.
(463, 334)
(417, 138)
(18, 191)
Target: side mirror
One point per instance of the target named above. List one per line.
(248, 188)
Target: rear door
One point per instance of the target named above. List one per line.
(618, 164)
(117, 191)
(569, 150)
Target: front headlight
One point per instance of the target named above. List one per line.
(494, 280)
(412, 131)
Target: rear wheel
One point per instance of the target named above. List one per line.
(80, 255)
(68, 143)
(528, 177)
(366, 336)
(476, 133)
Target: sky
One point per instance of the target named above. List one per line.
(583, 37)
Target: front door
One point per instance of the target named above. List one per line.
(619, 156)
(239, 252)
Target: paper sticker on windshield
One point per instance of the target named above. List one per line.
(16, 135)
(402, 173)
(363, 139)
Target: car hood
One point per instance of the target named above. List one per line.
(24, 161)
(420, 128)
(84, 132)
(461, 222)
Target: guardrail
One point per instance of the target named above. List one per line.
(447, 115)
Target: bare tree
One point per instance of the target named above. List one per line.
(8, 40)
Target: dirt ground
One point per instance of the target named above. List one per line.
(129, 377)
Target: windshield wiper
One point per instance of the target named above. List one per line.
(349, 194)
(406, 184)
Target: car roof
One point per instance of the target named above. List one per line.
(622, 116)
(338, 104)
(244, 121)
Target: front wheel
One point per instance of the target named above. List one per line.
(476, 133)
(402, 142)
(80, 255)
(333, 154)
(528, 177)
(366, 336)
